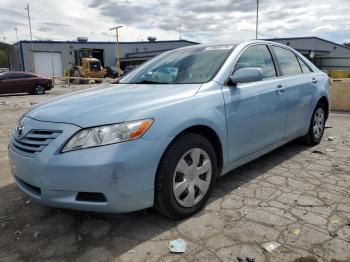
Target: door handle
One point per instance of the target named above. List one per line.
(280, 88)
(314, 81)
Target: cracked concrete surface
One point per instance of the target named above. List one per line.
(298, 196)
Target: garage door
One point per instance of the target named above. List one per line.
(48, 64)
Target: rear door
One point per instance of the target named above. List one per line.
(300, 85)
(27, 82)
(256, 111)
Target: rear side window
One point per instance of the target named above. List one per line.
(304, 67)
(287, 61)
(257, 56)
(13, 76)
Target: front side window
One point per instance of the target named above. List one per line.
(257, 56)
(304, 67)
(287, 60)
(27, 76)
(11, 76)
(188, 66)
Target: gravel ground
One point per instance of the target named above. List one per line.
(296, 195)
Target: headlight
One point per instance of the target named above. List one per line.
(108, 134)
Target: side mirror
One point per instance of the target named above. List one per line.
(246, 75)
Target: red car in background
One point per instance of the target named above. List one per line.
(24, 82)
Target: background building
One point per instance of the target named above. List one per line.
(325, 54)
(53, 57)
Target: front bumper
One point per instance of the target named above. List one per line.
(122, 173)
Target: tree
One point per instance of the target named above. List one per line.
(347, 44)
(3, 59)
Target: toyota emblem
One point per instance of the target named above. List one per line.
(19, 129)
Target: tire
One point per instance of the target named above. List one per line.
(39, 90)
(196, 180)
(317, 126)
(77, 74)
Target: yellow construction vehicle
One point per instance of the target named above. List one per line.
(86, 66)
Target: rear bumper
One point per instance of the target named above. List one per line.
(113, 178)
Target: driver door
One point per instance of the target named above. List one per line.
(256, 111)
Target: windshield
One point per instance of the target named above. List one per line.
(189, 65)
(95, 65)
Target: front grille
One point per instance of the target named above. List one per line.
(33, 142)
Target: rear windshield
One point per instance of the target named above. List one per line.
(189, 65)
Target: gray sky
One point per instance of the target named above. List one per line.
(202, 21)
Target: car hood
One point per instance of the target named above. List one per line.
(111, 104)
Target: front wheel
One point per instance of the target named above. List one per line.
(186, 176)
(77, 76)
(317, 125)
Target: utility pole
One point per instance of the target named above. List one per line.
(16, 29)
(180, 31)
(117, 48)
(257, 19)
(31, 37)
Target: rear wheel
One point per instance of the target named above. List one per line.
(317, 125)
(186, 176)
(39, 90)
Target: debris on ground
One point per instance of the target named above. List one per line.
(131, 251)
(28, 202)
(302, 205)
(333, 233)
(36, 234)
(330, 138)
(318, 152)
(18, 232)
(271, 246)
(4, 103)
(306, 259)
(177, 246)
(18, 198)
(33, 103)
(328, 126)
(79, 238)
(296, 231)
(6, 218)
(247, 259)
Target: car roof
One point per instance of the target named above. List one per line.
(22, 72)
(234, 44)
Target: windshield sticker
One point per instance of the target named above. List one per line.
(218, 47)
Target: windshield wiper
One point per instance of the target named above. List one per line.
(150, 82)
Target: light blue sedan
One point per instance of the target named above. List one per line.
(143, 143)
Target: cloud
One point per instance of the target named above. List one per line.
(202, 21)
(10, 13)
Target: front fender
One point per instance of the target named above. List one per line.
(205, 108)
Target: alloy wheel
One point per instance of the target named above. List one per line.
(39, 90)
